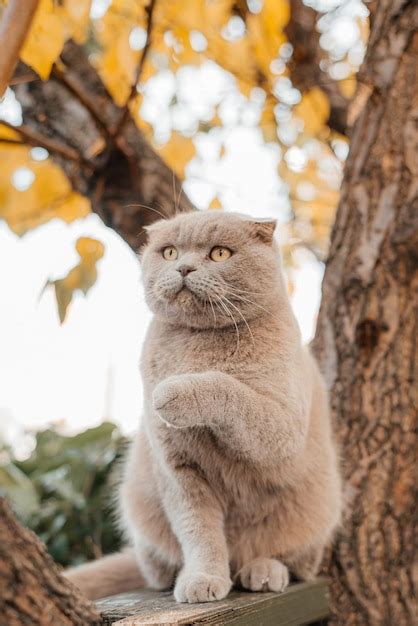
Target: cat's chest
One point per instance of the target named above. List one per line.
(179, 352)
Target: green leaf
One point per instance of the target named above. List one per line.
(20, 490)
(63, 491)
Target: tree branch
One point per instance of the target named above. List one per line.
(36, 139)
(305, 67)
(13, 142)
(125, 114)
(84, 98)
(126, 176)
(14, 27)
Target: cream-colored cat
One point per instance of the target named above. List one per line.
(233, 476)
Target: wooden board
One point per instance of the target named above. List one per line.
(301, 603)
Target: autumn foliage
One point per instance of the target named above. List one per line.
(134, 44)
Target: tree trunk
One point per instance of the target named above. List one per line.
(32, 590)
(368, 329)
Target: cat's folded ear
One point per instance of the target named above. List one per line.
(155, 225)
(263, 229)
(150, 228)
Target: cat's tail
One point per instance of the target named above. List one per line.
(116, 573)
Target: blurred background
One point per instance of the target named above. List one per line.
(246, 102)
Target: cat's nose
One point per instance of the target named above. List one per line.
(185, 269)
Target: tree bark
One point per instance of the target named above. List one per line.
(14, 26)
(32, 590)
(368, 328)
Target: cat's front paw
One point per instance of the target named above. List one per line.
(200, 587)
(175, 402)
(264, 575)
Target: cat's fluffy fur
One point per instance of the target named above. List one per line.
(233, 475)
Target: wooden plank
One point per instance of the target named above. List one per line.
(301, 603)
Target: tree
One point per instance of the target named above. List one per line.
(32, 589)
(367, 330)
(88, 118)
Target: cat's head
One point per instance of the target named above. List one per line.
(210, 269)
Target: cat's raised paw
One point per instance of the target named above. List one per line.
(263, 575)
(175, 403)
(201, 587)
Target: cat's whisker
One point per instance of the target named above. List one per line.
(239, 297)
(243, 318)
(230, 290)
(178, 197)
(150, 208)
(229, 314)
(223, 303)
(174, 187)
(214, 317)
(229, 286)
(142, 232)
(234, 289)
(237, 293)
(213, 311)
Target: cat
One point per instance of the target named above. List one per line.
(233, 477)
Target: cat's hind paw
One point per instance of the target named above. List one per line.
(200, 587)
(263, 575)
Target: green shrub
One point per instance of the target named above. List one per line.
(64, 491)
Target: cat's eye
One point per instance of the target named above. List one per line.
(170, 253)
(219, 253)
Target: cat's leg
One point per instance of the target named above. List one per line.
(197, 520)
(305, 563)
(158, 574)
(263, 574)
(270, 574)
(264, 428)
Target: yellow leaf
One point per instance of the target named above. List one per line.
(313, 218)
(215, 204)
(314, 109)
(268, 122)
(45, 40)
(118, 62)
(266, 31)
(45, 194)
(75, 15)
(177, 152)
(90, 251)
(177, 28)
(348, 86)
(72, 207)
(82, 277)
(235, 57)
(8, 133)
